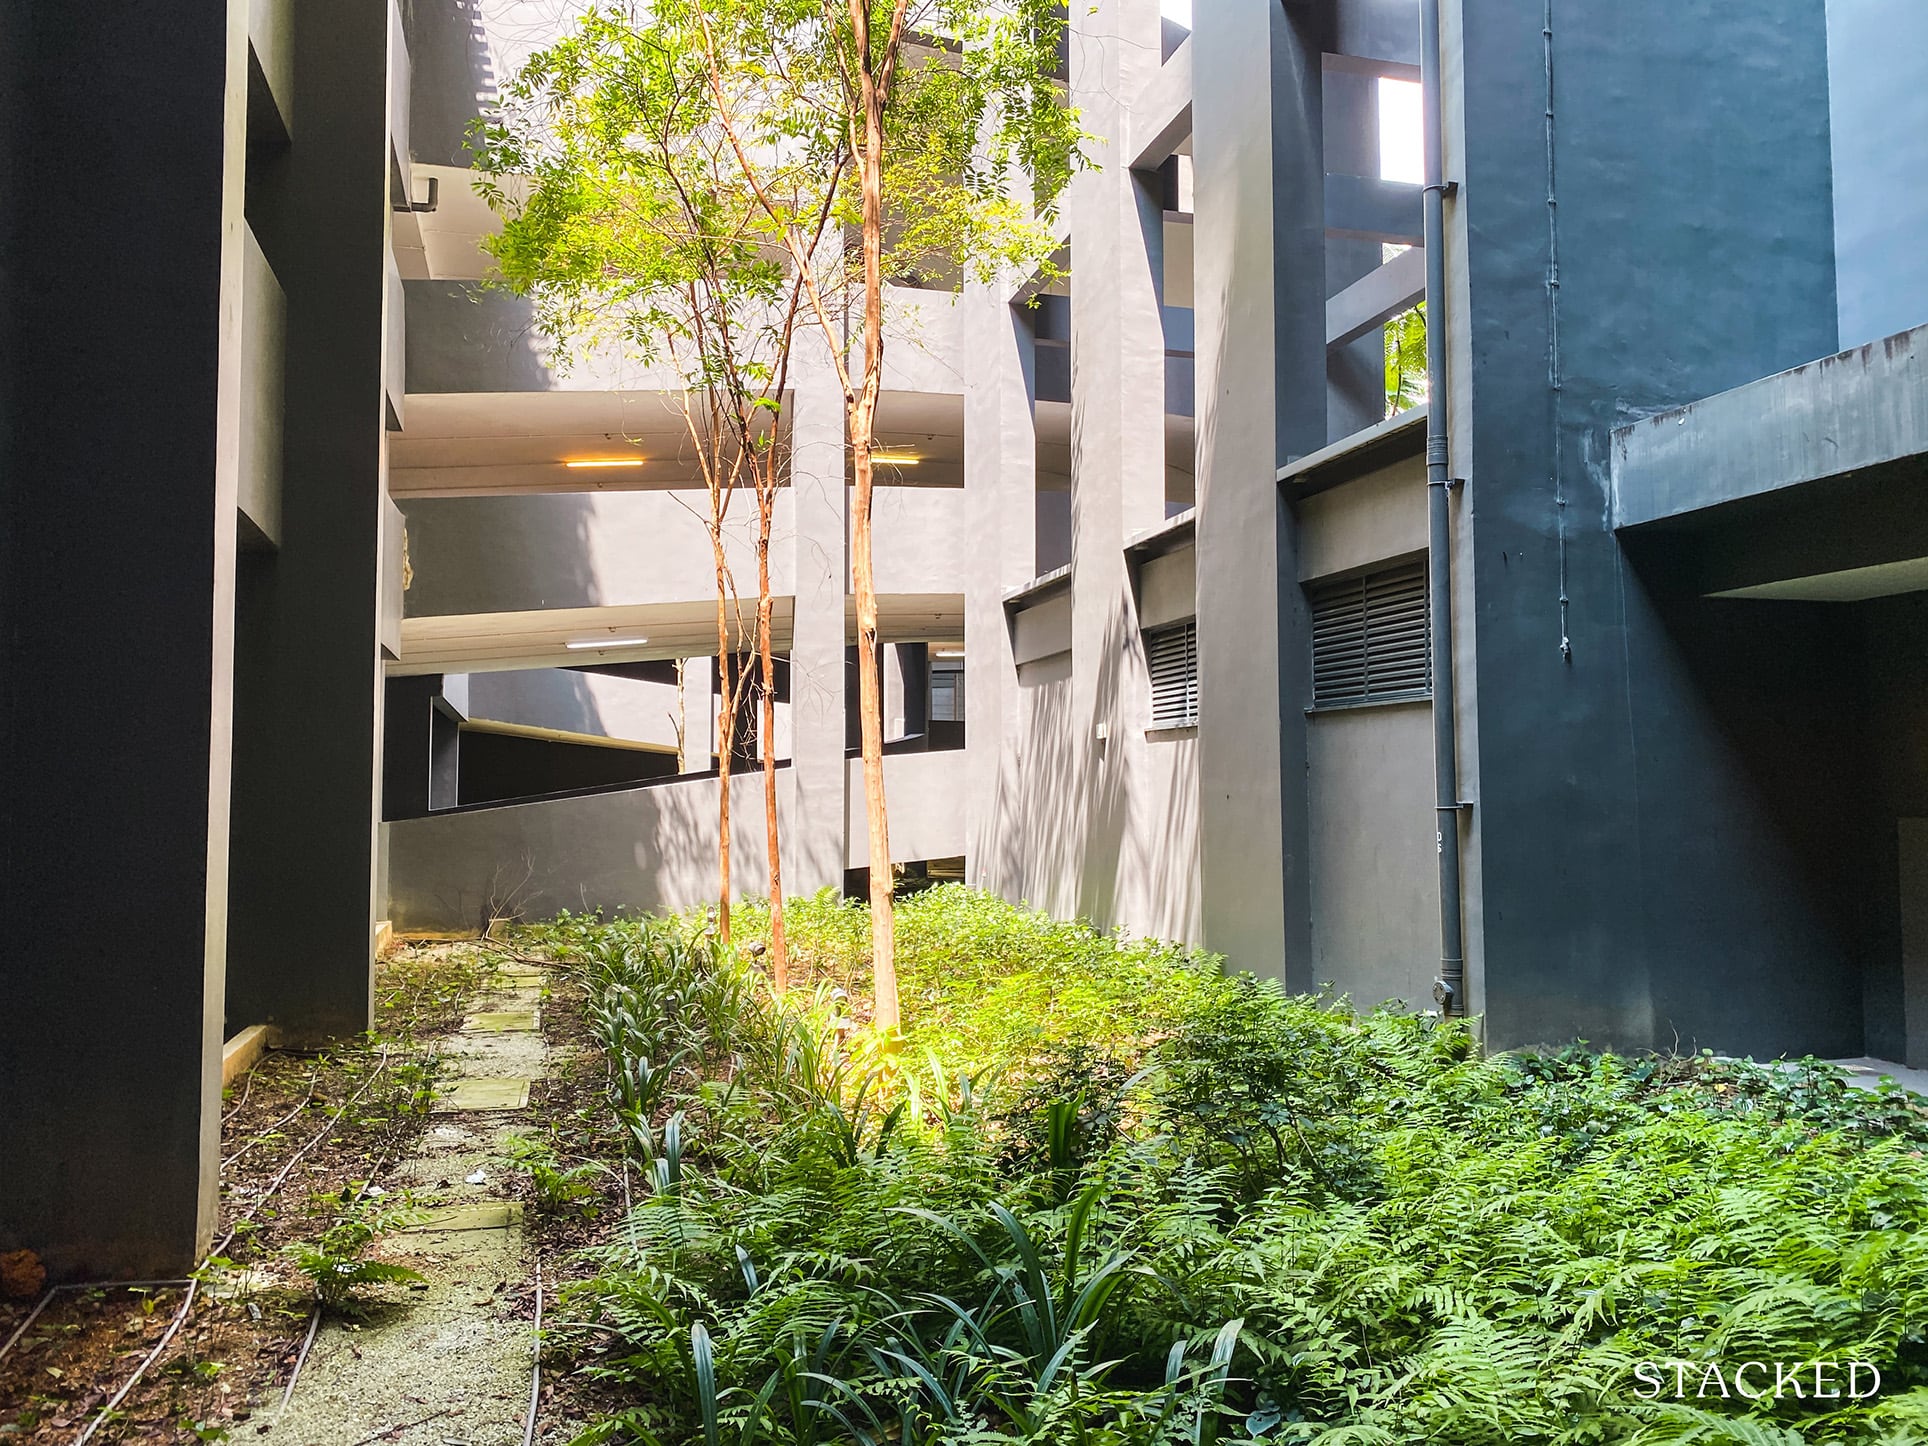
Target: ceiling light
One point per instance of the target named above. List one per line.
(605, 462)
(896, 459)
(947, 652)
(583, 643)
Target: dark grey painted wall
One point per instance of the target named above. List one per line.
(1896, 709)
(116, 543)
(1878, 63)
(301, 931)
(1624, 890)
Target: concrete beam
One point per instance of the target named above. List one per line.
(1161, 116)
(1366, 208)
(1857, 409)
(1376, 298)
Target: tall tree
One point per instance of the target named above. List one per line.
(626, 219)
(937, 133)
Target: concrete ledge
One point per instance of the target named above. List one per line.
(1854, 410)
(384, 939)
(1367, 450)
(239, 1054)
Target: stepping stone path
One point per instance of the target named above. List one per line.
(453, 1362)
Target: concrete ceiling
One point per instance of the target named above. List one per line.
(500, 642)
(1856, 584)
(472, 444)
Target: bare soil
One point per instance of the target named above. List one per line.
(302, 1134)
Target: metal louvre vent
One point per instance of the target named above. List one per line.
(1371, 638)
(1173, 653)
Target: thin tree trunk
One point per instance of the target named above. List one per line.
(779, 947)
(725, 738)
(863, 422)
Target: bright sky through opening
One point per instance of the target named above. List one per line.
(1402, 150)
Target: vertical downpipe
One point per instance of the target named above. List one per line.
(1450, 988)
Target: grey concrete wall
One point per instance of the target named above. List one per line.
(120, 399)
(580, 549)
(1375, 882)
(1634, 888)
(1374, 867)
(1878, 114)
(614, 549)
(634, 849)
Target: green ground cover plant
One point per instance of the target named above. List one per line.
(1101, 1191)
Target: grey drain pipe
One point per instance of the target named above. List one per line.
(1450, 988)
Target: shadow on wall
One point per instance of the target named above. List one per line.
(632, 850)
(463, 564)
(453, 76)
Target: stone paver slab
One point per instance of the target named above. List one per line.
(505, 1021)
(481, 1094)
(488, 1215)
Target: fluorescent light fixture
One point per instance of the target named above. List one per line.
(896, 459)
(582, 462)
(947, 652)
(582, 644)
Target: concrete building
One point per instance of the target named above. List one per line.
(1161, 583)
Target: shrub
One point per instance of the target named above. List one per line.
(1109, 1195)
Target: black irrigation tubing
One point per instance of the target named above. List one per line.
(246, 1090)
(535, 1367)
(307, 1344)
(187, 1303)
(32, 1316)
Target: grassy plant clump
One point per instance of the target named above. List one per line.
(1103, 1193)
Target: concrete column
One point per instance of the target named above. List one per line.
(1118, 437)
(1260, 282)
(813, 831)
(699, 714)
(306, 779)
(119, 460)
(408, 753)
(1000, 480)
(914, 668)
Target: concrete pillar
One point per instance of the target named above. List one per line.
(1000, 480)
(1260, 284)
(813, 830)
(306, 779)
(408, 754)
(1118, 436)
(699, 714)
(120, 388)
(914, 668)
